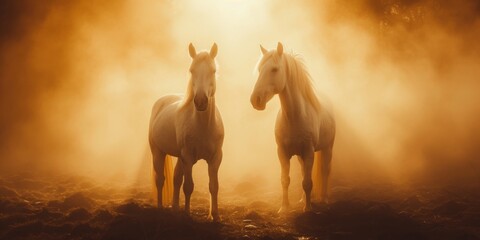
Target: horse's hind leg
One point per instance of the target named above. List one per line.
(158, 167)
(177, 183)
(213, 185)
(326, 166)
(307, 179)
(285, 164)
(300, 161)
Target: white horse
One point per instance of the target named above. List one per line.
(304, 127)
(189, 128)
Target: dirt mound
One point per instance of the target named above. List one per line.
(13, 205)
(78, 214)
(102, 216)
(8, 192)
(451, 208)
(360, 220)
(78, 200)
(154, 223)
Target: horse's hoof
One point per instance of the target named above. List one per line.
(213, 218)
(307, 208)
(284, 210)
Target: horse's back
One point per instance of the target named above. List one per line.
(163, 102)
(162, 134)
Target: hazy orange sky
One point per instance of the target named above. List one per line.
(78, 80)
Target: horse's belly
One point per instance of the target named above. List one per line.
(163, 135)
(325, 139)
(167, 144)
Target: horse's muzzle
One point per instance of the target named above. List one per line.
(257, 102)
(201, 102)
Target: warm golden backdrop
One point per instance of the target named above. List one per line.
(78, 79)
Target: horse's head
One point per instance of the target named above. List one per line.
(271, 78)
(202, 81)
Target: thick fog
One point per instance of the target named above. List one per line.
(78, 80)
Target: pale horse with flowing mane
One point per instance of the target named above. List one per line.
(304, 127)
(189, 128)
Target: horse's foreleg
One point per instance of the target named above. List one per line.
(285, 164)
(326, 160)
(188, 184)
(177, 183)
(213, 185)
(158, 166)
(300, 161)
(307, 179)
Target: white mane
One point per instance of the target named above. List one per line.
(296, 73)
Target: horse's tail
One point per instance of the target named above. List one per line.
(168, 185)
(167, 190)
(317, 176)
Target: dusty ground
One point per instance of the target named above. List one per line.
(76, 208)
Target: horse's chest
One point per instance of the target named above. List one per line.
(198, 142)
(199, 145)
(297, 140)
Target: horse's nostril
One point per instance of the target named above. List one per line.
(258, 100)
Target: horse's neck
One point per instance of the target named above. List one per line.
(292, 101)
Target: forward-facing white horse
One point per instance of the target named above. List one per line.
(304, 127)
(189, 128)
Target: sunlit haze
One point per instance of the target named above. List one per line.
(79, 79)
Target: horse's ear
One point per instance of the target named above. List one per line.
(264, 51)
(279, 48)
(192, 51)
(214, 50)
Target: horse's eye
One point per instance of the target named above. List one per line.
(274, 70)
